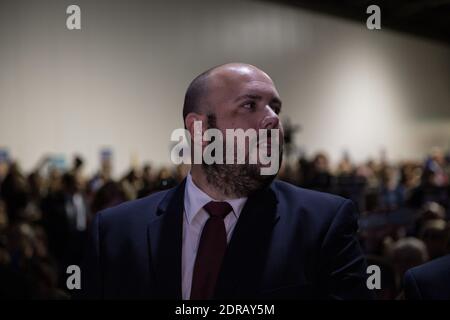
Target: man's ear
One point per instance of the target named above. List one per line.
(190, 121)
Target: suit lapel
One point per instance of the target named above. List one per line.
(247, 251)
(165, 242)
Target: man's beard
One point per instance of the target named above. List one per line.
(237, 180)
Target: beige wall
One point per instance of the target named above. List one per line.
(120, 81)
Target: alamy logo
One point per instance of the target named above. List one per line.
(74, 279)
(374, 20)
(374, 280)
(263, 147)
(73, 21)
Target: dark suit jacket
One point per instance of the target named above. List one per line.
(288, 243)
(430, 281)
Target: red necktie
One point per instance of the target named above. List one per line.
(211, 250)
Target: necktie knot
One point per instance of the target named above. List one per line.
(218, 209)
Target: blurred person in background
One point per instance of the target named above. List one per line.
(109, 195)
(349, 184)
(131, 183)
(15, 193)
(319, 177)
(429, 211)
(391, 192)
(165, 179)
(28, 271)
(105, 173)
(78, 171)
(3, 218)
(435, 234)
(4, 165)
(434, 184)
(437, 164)
(405, 254)
(65, 217)
(410, 176)
(148, 181)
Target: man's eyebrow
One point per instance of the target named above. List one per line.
(257, 97)
(248, 96)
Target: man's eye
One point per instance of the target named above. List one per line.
(249, 105)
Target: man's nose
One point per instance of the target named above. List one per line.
(270, 120)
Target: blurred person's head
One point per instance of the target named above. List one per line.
(165, 179)
(132, 176)
(78, 163)
(15, 169)
(54, 180)
(3, 216)
(435, 234)
(428, 178)
(411, 175)
(233, 96)
(131, 183)
(15, 177)
(407, 253)
(147, 171)
(438, 155)
(148, 180)
(69, 182)
(36, 183)
(4, 167)
(365, 170)
(164, 173)
(432, 210)
(388, 177)
(374, 235)
(109, 195)
(15, 193)
(320, 162)
(345, 166)
(106, 167)
(77, 171)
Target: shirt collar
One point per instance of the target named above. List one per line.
(195, 199)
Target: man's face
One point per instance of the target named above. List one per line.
(244, 98)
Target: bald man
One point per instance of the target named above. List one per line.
(228, 231)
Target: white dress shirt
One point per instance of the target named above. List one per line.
(194, 220)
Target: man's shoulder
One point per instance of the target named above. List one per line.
(319, 209)
(143, 209)
(305, 197)
(435, 270)
(429, 280)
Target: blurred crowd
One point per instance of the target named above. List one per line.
(45, 214)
